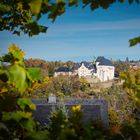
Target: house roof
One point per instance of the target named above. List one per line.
(62, 69)
(86, 64)
(104, 61)
(76, 66)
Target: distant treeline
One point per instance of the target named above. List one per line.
(48, 67)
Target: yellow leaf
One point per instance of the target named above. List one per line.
(35, 6)
(76, 108)
(3, 90)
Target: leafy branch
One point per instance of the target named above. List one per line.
(23, 16)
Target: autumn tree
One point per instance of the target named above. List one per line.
(132, 86)
(35, 63)
(38, 64)
(121, 66)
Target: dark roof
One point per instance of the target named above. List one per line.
(76, 66)
(62, 69)
(86, 64)
(99, 58)
(104, 61)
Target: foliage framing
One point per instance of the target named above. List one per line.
(14, 72)
(23, 15)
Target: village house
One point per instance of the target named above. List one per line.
(62, 71)
(103, 69)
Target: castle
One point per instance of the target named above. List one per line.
(103, 69)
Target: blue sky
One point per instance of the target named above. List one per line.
(80, 34)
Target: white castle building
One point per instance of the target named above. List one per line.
(103, 69)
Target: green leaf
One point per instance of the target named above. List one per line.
(35, 29)
(73, 2)
(42, 29)
(6, 58)
(2, 71)
(23, 118)
(18, 77)
(17, 115)
(23, 102)
(56, 10)
(35, 73)
(29, 124)
(4, 8)
(35, 6)
(39, 135)
(134, 41)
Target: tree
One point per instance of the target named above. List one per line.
(121, 66)
(37, 64)
(23, 15)
(132, 84)
(84, 84)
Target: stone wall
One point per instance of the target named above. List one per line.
(93, 110)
